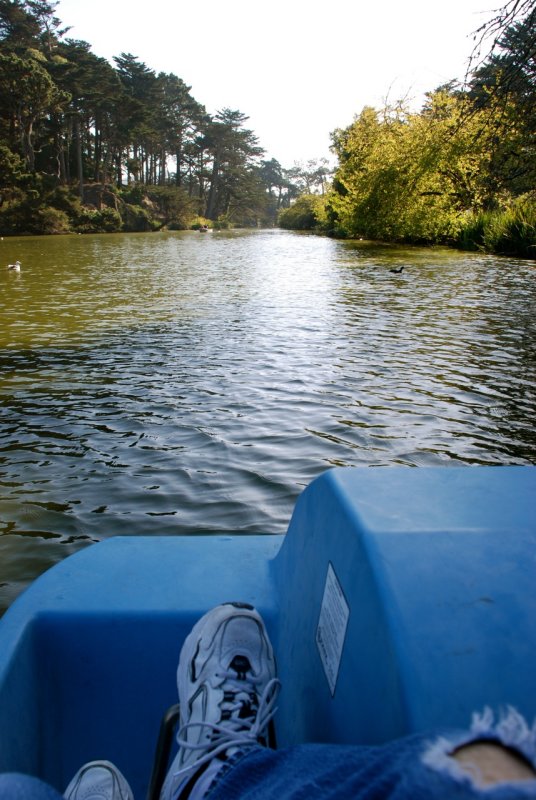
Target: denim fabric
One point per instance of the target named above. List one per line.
(411, 768)
(14, 786)
(328, 772)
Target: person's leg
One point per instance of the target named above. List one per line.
(14, 786)
(489, 763)
(227, 688)
(491, 753)
(476, 764)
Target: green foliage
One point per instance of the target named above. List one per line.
(309, 178)
(104, 220)
(303, 215)
(20, 217)
(137, 219)
(51, 221)
(170, 204)
(407, 176)
(134, 194)
(70, 118)
(56, 209)
(511, 231)
(74, 126)
(457, 172)
(430, 177)
(222, 224)
(200, 222)
(27, 95)
(11, 168)
(14, 218)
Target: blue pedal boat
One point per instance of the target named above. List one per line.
(398, 601)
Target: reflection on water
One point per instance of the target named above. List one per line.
(177, 383)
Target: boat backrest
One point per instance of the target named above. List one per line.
(406, 601)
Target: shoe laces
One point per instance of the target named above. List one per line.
(243, 719)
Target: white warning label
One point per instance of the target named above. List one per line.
(331, 630)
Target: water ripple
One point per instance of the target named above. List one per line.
(173, 384)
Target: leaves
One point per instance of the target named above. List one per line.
(425, 177)
(70, 114)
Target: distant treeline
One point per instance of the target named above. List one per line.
(462, 171)
(87, 146)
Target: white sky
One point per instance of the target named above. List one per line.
(298, 68)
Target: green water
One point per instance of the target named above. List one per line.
(179, 383)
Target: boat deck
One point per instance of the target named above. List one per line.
(399, 600)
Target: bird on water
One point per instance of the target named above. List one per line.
(14, 267)
(397, 271)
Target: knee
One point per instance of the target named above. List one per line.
(490, 762)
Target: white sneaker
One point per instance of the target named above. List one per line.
(227, 692)
(98, 780)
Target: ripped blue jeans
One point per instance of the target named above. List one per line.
(411, 768)
(414, 767)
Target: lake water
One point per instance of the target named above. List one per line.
(178, 383)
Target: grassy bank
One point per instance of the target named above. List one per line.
(509, 232)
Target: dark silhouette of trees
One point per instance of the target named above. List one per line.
(71, 119)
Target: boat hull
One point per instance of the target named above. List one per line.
(399, 600)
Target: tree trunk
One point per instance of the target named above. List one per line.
(119, 170)
(178, 159)
(79, 159)
(106, 165)
(98, 153)
(213, 191)
(27, 145)
(60, 158)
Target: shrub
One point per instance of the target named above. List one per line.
(22, 217)
(133, 194)
(107, 220)
(302, 215)
(136, 219)
(222, 224)
(51, 220)
(511, 231)
(200, 222)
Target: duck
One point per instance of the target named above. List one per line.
(14, 267)
(397, 271)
